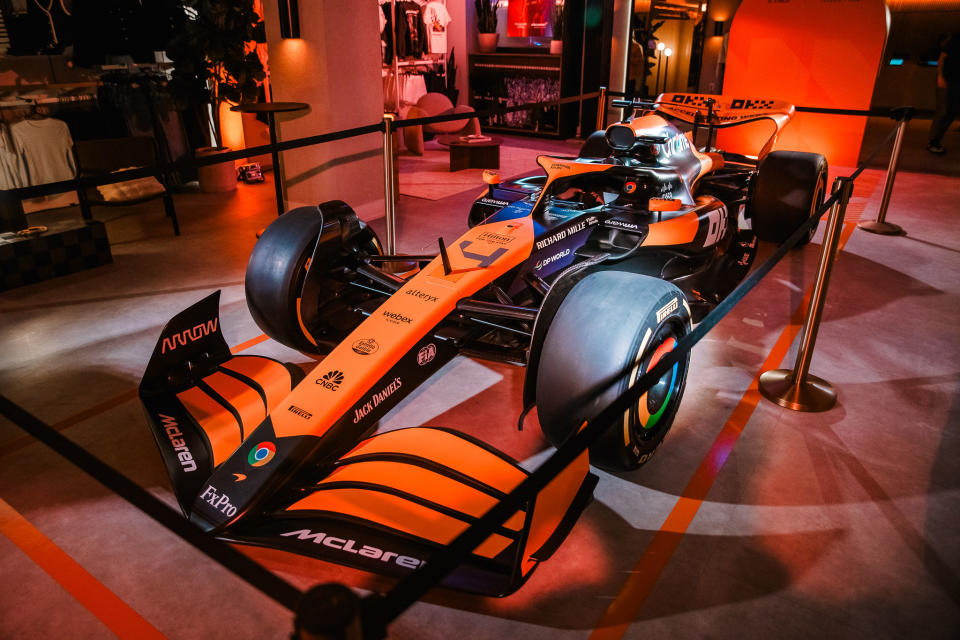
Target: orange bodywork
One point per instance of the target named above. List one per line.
(679, 230)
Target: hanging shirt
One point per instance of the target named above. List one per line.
(13, 172)
(436, 19)
(46, 148)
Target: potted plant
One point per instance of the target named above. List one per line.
(556, 42)
(486, 25)
(215, 61)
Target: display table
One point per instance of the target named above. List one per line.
(272, 108)
(472, 155)
(65, 247)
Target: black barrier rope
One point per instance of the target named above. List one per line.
(253, 573)
(385, 609)
(410, 122)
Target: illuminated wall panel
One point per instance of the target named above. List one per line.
(821, 53)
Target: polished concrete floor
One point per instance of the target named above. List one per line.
(752, 521)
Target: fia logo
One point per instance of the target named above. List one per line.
(331, 380)
(427, 354)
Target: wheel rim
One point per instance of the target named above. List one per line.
(653, 409)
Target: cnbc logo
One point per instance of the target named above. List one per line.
(331, 380)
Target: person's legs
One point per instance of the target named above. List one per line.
(948, 108)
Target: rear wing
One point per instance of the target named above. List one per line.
(714, 112)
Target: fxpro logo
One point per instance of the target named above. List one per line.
(188, 335)
(173, 432)
(349, 545)
(548, 261)
(219, 501)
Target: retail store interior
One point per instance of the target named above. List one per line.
(752, 519)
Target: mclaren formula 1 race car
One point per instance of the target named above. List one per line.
(586, 275)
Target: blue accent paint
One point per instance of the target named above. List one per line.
(512, 211)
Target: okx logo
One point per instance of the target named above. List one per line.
(262, 454)
(331, 380)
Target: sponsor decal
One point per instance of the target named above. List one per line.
(349, 545)
(560, 235)
(494, 201)
(558, 165)
(427, 354)
(188, 335)
(331, 380)
(416, 293)
(623, 224)
(484, 260)
(219, 501)
(396, 318)
(376, 399)
(630, 186)
(297, 411)
(717, 226)
(667, 309)
(495, 238)
(697, 101)
(184, 457)
(262, 454)
(673, 146)
(751, 104)
(548, 261)
(239, 477)
(365, 346)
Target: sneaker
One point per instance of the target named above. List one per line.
(933, 147)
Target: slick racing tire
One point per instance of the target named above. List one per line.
(612, 322)
(790, 187)
(308, 314)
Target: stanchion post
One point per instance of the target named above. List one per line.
(880, 225)
(389, 193)
(602, 109)
(797, 389)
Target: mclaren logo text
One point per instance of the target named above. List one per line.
(188, 335)
(184, 456)
(376, 399)
(352, 546)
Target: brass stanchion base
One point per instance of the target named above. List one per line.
(883, 228)
(816, 394)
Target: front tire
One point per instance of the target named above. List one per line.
(610, 324)
(790, 188)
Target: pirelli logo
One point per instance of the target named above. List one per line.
(667, 309)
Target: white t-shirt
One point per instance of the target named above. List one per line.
(436, 18)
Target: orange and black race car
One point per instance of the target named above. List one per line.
(586, 275)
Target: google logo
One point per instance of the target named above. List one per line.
(262, 454)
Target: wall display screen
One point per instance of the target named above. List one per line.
(528, 18)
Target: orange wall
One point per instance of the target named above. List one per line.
(813, 53)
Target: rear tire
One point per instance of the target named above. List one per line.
(612, 322)
(790, 188)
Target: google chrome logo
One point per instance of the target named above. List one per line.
(262, 454)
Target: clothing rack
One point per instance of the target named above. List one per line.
(395, 67)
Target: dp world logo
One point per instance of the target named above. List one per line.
(261, 454)
(331, 380)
